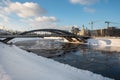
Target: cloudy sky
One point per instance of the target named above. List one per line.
(32, 14)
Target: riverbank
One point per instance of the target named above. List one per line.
(104, 41)
(17, 64)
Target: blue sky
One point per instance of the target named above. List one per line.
(32, 14)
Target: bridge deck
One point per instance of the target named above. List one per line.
(55, 33)
(40, 35)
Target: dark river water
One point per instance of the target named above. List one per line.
(100, 60)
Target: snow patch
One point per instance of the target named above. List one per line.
(104, 42)
(4, 75)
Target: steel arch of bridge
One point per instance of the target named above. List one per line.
(68, 36)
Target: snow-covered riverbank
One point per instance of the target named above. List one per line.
(17, 64)
(103, 41)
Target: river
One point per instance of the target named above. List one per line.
(100, 60)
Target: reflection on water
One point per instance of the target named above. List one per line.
(47, 48)
(94, 59)
(107, 48)
(100, 60)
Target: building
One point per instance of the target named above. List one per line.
(110, 31)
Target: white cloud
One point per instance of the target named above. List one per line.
(5, 18)
(84, 2)
(27, 9)
(46, 19)
(89, 10)
(28, 14)
(41, 22)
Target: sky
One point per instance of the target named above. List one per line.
(37, 14)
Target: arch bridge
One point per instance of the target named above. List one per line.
(45, 33)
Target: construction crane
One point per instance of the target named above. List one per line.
(92, 26)
(92, 23)
(108, 23)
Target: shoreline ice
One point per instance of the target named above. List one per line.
(104, 42)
